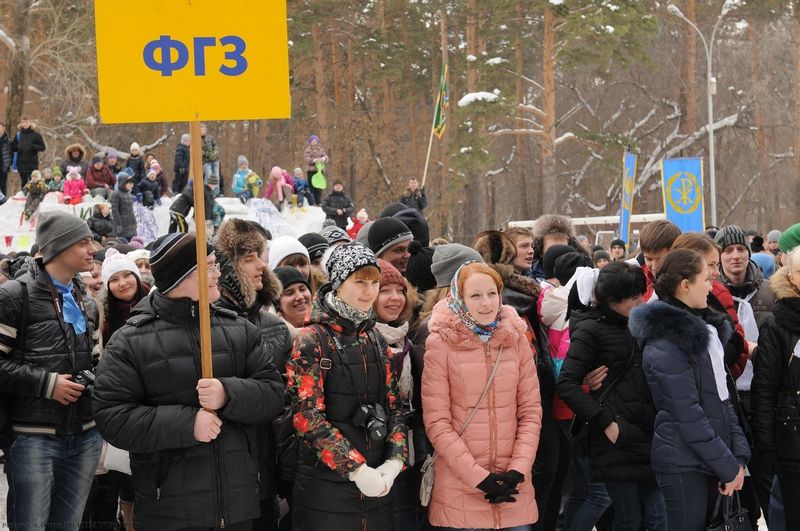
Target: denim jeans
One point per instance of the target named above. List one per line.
(629, 499)
(549, 471)
(689, 498)
(50, 478)
(210, 168)
(588, 500)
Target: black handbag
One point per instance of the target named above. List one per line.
(729, 515)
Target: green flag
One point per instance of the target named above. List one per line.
(442, 102)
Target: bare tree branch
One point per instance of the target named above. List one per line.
(100, 148)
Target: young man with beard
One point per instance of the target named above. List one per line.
(46, 325)
(193, 441)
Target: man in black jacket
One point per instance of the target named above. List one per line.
(414, 196)
(184, 202)
(27, 144)
(338, 206)
(46, 326)
(193, 441)
(181, 165)
(5, 160)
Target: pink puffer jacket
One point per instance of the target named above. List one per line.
(503, 434)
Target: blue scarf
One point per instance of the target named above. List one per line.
(72, 312)
(457, 306)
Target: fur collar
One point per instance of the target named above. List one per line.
(661, 320)
(516, 282)
(453, 332)
(781, 286)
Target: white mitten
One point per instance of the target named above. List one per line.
(369, 481)
(389, 471)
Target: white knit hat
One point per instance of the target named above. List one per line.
(139, 254)
(284, 246)
(116, 262)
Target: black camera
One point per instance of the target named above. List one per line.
(86, 379)
(371, 417)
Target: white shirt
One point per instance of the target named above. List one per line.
(717, 354)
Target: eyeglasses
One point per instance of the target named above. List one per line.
(213, 269)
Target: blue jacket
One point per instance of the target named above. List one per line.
(694, 430)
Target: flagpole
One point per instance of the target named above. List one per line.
(430, 140)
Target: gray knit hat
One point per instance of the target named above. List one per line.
(58, 231)
(448, 258)
(774, 235)
(346, 259)
(363, 235)
(731, 235)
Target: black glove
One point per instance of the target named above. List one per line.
(500, 499)
(495, 486)
(513, 478)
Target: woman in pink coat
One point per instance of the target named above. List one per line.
(483, 477)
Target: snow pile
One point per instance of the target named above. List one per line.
(18, 235)
(477, 96)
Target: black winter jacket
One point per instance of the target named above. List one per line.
(137, 165)
(181, 162)
(146, 401)
(694, 430)
(415, 199)
(775, 393)
(338, 201)
(28, 371)
(101, 225)
(122, 212)
(5, 153)
(185, 201)
(599, 336)
(28, 143)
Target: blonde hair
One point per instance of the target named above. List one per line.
(794, 259)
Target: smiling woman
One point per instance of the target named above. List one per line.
(122, 290)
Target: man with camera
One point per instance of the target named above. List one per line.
(46, 326)
(193, 441)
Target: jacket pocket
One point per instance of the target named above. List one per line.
(628, 433)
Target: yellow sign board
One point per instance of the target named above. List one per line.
(186, 60)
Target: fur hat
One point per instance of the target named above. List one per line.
(238, 237)
(553, 224)
(495, 247)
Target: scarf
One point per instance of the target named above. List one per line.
(346, 311)
(395, 337)
(72, 312)
(459, 308)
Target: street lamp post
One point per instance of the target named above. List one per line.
(711, 85)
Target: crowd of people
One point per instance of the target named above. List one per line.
(367, 376)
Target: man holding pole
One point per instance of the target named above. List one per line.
(192, 437)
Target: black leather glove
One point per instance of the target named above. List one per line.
(513, 478)
(500, 499)
(494, 485)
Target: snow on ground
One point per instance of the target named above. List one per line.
(18, 235)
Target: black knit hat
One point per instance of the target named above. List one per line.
(549, 260)
(418, 270)
(173, 259)
(617, 243)
(290, 275)
(731, 235)
(315, 243)
(416, 223)
(387, 232)
(566, 264)
(346, 259)
(391, 209)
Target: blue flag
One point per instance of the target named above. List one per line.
(626, 196)
(682, 183)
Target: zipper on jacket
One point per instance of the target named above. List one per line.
(492, 433)
(218, 479)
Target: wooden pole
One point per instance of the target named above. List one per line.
(430, 144)
(196, 174)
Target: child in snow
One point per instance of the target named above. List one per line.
(280, 188)
(245, 181)
(148, 191)
(99, 178)
(161, 179)
(136, 163)
(360, 219)
(122, 208)
(55, 183)
(101, 224)
(35, 190)
(74, 186)
(302, 188)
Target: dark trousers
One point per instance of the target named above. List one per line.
(268, 521)
(636, 505)
(247, 525)
(790, 489)
(24, 177)
(181, 179)
(316, 191)
(3, 181)
(689, 498)
(549, 471)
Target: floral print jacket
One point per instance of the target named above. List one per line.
(307, 389)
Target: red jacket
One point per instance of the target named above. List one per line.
(99, 178)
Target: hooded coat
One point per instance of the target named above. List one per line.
(504, 433)
(695, 431)
(776, 381)
(122, 211)
(69, 160)
(27, 144)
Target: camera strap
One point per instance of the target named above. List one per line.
(326, 363)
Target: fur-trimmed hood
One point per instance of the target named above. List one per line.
(660, 320)
(553, 224)
(781, 286)
(455, 334)
(68, 151)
